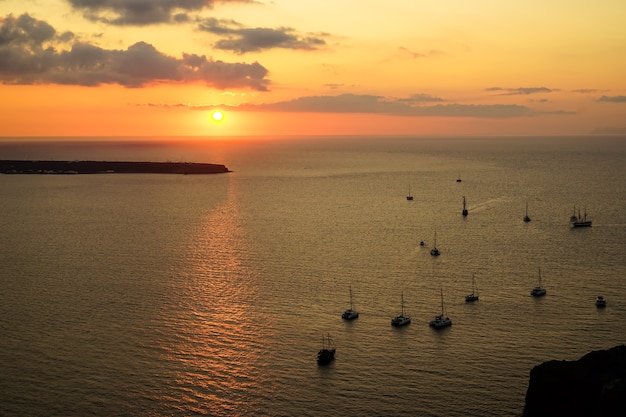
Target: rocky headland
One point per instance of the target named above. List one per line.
(108, 167)
(594, 385)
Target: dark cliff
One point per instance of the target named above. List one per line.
(102, 167)
(594, 385)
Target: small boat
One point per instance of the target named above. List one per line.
(441, 320)
(464, 212)
(401, 320)
(526, 218)
(581, 221)
(327, 352)
(600, 301)
(538, 291)
(458, 179)
(434, 251)
(474, 295)
(350, 314)
(409, 197)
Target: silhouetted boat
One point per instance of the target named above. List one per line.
(600, 301)
(458, 179)
(538, 291)
(474, 295)
(409, 197)
(434, 251)
(401, 320)
(350, 314)
(464, 212)
(327, 353)
(526, 218)
(581, 221)
(441, 320)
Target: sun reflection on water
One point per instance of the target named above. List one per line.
(216, 345)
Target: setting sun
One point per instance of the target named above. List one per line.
(217, 116)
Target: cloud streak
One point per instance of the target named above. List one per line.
(613, 99)
(371, 104)
(242, 40)
(520, 90)
(142, 12)
(28, 55)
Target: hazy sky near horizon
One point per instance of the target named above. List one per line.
(287, 67)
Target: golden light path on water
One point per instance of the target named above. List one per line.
(217, 338)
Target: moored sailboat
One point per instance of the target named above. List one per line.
(581, 221)
(327, 352)
(409, 197)
(401, 319)
(350, 314)
(538, 291)
(464, 212)
(474, 295)
(441, 320)
(434, 251)
(526, 218)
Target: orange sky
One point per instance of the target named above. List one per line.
(281, 67)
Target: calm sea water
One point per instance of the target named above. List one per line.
(166, 295)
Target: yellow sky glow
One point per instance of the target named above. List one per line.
(313, 68)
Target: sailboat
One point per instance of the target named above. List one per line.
(409, 197)
(441, 320)
(434, 251)
(401, 320)
(458, 179)
(464, 212)
(474, 295)
(538, 291)
(581, 221)
(326, 353)
(350, 314)
(526, 218)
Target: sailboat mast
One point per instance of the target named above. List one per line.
(351, 297)
(442, 302)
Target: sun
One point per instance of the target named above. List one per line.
(217, 116)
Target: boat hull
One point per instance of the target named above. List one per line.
(439, 322)
(350, 315)
(325, 356)
(400, 321)
(470, 298)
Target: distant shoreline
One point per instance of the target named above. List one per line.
(108, 167)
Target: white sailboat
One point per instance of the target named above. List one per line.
(538, 291)
(474, 295)
(350, 314)
(401, 320)
(441, 320)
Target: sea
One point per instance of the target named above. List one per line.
(185, 295)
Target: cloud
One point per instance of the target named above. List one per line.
(520, 91)
(585, 90)
(613, 99)
(422, 98)
(142, 12)
(28, 56)
(351, 103)
(371, 104)
(416, 55)
(242, 40)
